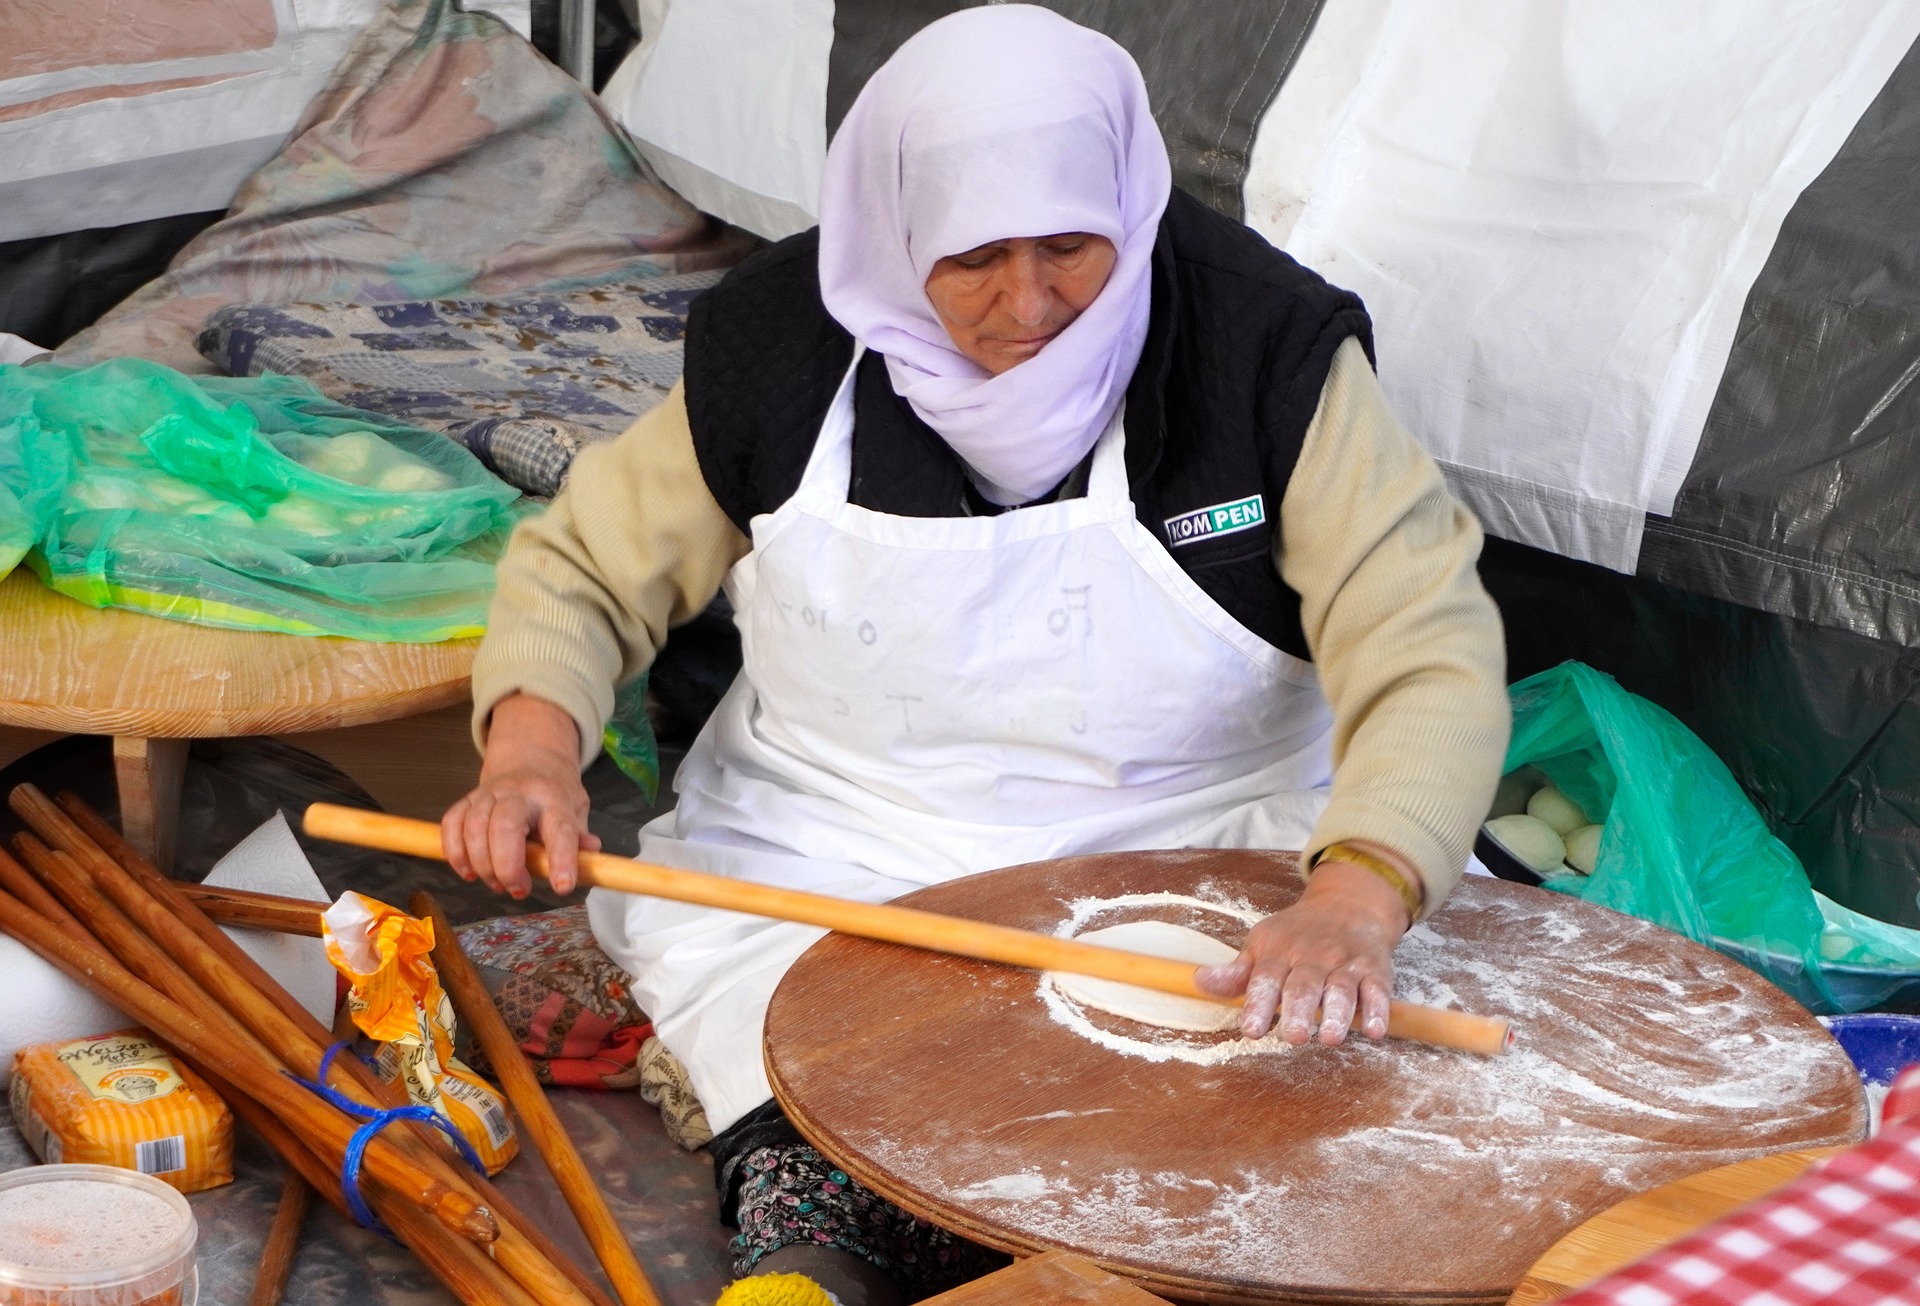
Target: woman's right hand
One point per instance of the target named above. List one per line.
(529, 784)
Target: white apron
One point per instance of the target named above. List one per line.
(925, 698)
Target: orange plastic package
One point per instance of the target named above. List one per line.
(396, 998)
(120, 1100)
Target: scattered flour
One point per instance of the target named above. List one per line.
(1162, 1045)
(1007, 1188)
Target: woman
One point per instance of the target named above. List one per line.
(1035, 485)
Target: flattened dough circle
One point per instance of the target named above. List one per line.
(1130, 1002)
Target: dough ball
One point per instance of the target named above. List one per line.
(1510, 798)
(410, 477)
(1557, 810)
(1535, 843)
(1583, 848)
(350, 456)
(1835, 943)
(1149, 1006)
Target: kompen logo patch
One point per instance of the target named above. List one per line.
(1221, 519)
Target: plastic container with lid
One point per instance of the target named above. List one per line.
(93, 1235)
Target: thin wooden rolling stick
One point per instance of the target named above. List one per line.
(475, 1007)
(920, 929)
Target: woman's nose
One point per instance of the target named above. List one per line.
(1026, 293)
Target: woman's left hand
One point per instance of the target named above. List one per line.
(1326, 954)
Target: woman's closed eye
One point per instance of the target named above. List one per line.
(976, 259)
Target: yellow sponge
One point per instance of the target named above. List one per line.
(775, 1290)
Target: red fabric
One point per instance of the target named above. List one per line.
(1904, 1099)
(1846, 1232)
(565, 1000)
(581, 1049)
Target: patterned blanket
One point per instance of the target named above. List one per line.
(446, 159)
(523, 381)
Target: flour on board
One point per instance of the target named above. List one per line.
(1162, 1045)
(1630, 1043)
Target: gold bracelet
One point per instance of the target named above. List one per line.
(1411, 894)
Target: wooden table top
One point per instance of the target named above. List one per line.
(1646, 1222)
(66, 666)
(1210, 1169)
(1050, 1279)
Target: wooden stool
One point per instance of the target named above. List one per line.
(391, 716)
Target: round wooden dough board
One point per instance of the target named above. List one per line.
(1391, 1172)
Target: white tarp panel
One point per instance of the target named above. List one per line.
(1554, 210)
(728, 101)
(116, 111)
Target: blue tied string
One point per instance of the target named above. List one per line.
(377, 1118)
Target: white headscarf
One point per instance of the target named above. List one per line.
(996, 122)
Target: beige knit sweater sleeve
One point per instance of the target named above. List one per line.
(633, 545)
(1409, 647)
(1407, 643)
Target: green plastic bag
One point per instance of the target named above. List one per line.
(1685, 848)
(252, 503)
(629, 739)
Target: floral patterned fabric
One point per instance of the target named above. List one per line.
(525, 381)
(445, 158)
(564, 999)
(665, 1084)
(792, 1194)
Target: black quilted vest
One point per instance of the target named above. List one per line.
(1238, 348)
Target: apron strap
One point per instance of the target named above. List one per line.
(1107, 478)
(829, 473)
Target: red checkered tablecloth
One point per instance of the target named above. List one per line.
(1846, 1232)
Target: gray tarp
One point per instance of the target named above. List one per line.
(1804, 495)
(1211, 70)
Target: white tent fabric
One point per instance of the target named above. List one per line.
(1554, 210)
(728, 101)
(118, 111)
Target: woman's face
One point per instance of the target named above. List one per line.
(1003, 302)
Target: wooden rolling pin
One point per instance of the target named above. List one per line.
(474, 1005)
(257, 911)
(918, 929)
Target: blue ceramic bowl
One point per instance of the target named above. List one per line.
(1881, 1045)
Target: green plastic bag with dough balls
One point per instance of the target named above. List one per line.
(256, 503)
(252, 503)
(1685, 848)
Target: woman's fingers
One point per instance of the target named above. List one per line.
(1376, 999)
(562, 839)
(1308, 969)
(1337, 1005)
(485, 837)
(1300, 1001)
(507, 828)
(453, 838)
(1263, 999)
(1228, 980)
(474, 838)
